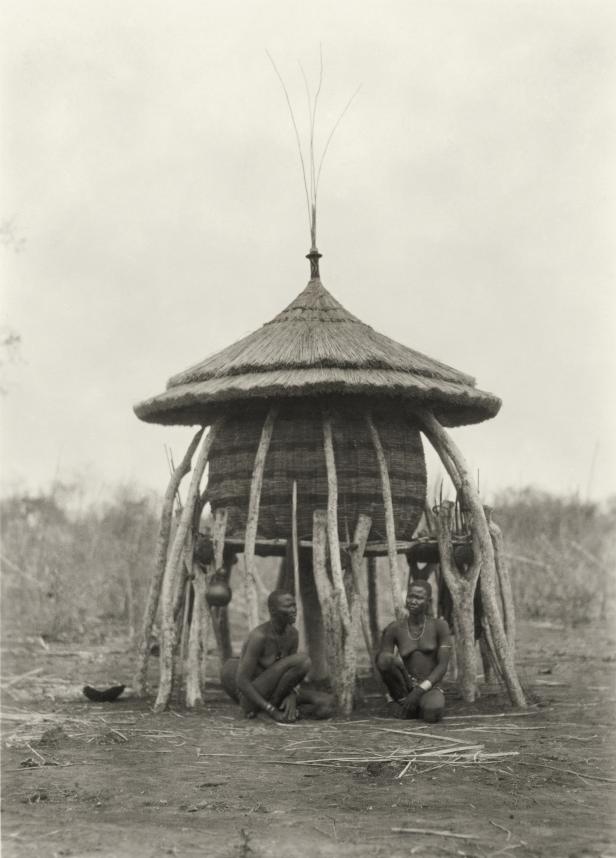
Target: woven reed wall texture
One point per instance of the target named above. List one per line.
(296, 453)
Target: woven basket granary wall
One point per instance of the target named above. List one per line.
(296, 453)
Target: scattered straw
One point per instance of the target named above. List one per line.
(434, 832)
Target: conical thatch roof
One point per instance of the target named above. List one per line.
(316, 347)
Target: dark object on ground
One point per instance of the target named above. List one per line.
(31, 763)
(105, 695)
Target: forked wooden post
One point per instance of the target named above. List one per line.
(252, 521)
(390, 527)
(462, 589)
(174, 561)
(345, 681)
(456, 466)
(162, 548)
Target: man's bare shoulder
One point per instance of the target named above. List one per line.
(258, 635)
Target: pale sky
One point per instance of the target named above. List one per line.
(151, 181)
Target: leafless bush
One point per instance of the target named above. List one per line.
(562, 553)
(67, 568)
(71, 568)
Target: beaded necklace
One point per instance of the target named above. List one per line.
(419, 636)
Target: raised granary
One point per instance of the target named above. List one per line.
(315, 443)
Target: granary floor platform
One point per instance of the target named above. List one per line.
(278, 547)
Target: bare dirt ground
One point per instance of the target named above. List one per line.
(130, 783)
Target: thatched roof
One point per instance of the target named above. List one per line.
(315, 347)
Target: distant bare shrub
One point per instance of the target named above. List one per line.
(562, 553)
(67, 567)
(71, 568)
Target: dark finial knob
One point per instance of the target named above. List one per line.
(314, 257)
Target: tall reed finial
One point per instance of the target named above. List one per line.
(312, 174)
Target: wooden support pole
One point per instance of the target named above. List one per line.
(174, 562)
(206, 625)
(188, 597)
(504, 579)
(325, 592)
(454, 462)
(184, 596)
(195, 640)
(373, 602)
(345, 678)
(360, 538)
(162, 546)
(220, 615)
(390, 527)
(183, 600)
(226, 648)
(313, 619)
(219, 620)
(252, 521)
(332, 527)
(295, 557)
(462, 589)
(219, 529)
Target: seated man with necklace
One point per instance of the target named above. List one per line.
(423, 644)
(267, 677)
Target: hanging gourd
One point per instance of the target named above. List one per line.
(218, 593)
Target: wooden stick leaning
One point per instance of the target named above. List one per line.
(390, 526)
(162, 546)
(252, 520)
(456, 466)
(174, 560)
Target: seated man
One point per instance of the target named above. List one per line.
(268, 674)
(423, 645)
